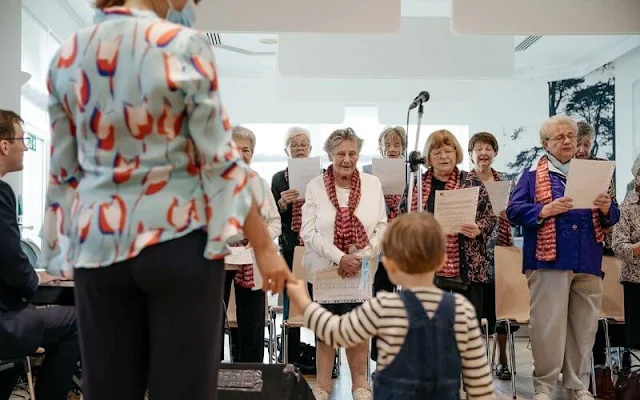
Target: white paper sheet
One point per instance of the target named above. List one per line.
(454, 208)
(302, 171)
(391, 172)
(239, 256)
(499, 195)
(586, 180)
(329, 287)
(257, 276)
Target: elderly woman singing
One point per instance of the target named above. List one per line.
(562, 258)
(343, 220)
(467, 266)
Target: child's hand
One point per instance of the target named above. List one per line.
(297, 292)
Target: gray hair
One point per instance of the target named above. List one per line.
(240, 132)
(389, 131)
(556, 120)
(585, 129)
(296, 131)
(635, 169)
(338, 136)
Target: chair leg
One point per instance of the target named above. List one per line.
(285, 348)
(270, 341)
(607, 340)
(512, 350)
(593, 377)
(274, 337)
(493, 352)
(486, 339)
(32, 391)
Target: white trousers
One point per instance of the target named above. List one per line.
(564, 319)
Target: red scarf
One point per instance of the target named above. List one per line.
(452, 267)
(244, 274)
(393, 201)
(546, 249)
(296, 212)
(348, 230)
(505, 237)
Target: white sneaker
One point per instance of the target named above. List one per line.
(362, 393)
(541, 396)
(581, 395)
(320, 394)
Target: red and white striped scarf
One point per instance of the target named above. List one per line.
(452, 267)
(296, 212)
(393, 201)
(244, 274)
(546, 249)
(348, 229)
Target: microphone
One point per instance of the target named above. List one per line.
(423, 97)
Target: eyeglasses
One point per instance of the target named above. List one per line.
(302, 146)
(25, 139)
(562, 138)
(440, 153)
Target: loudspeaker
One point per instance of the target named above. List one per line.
(249, 381)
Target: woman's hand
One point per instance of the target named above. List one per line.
(350, 265)
(287, 197)
(273, 268)
(470, 230)
(558, 206)
(603, 203)
(297, 292)
(46, 279)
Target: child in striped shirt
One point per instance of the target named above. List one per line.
(427, 338)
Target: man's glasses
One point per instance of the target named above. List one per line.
(25, 139)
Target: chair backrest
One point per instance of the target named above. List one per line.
(513, 299)
(299, 272)
(612, 290)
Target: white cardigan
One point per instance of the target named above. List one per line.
(318, 222)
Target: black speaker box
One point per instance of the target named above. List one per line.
(249, 381)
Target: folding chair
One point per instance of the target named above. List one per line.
(612, 310)
(513, 300)
(25, 362)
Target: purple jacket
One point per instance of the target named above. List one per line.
(577, 249)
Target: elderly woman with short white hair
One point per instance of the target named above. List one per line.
(297, 145)
(562, 258)
(247, 341)
(343, 220)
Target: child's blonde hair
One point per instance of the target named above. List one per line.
(416, 242)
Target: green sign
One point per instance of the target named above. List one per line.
(31, 143)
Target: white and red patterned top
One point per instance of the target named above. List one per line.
(141, 149)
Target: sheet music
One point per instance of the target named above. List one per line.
(454, 208)
(586, 180)
(257, 276)
(329, 287)
(391, 172)
(302, 171)
(239, 256)
(499, 195)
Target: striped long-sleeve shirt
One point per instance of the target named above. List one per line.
(385, 317)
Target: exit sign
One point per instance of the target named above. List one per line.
(31, 143)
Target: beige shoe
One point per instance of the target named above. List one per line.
(320, 394)
(581, 395)
(541, 396)
(362, 393)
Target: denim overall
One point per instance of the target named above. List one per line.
(428, 365)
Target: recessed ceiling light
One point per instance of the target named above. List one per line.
(268, 41)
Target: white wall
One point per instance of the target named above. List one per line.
(483, 105)
(627, 117)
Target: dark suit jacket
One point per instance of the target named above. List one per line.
(288, 238)
(20, 330)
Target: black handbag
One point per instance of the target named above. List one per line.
(628, 384)
(453, 284)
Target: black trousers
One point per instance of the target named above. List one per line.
(60, 340)
(293, 335)
(247, 340)
(475, 294)
(381, 283)
(153, 322)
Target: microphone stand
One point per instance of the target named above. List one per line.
(416, 159)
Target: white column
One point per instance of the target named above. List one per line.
(11, 77)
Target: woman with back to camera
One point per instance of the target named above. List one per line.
(483, 149)
(146, 191)
(343, 220)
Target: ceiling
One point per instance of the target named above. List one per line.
(255, 55)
